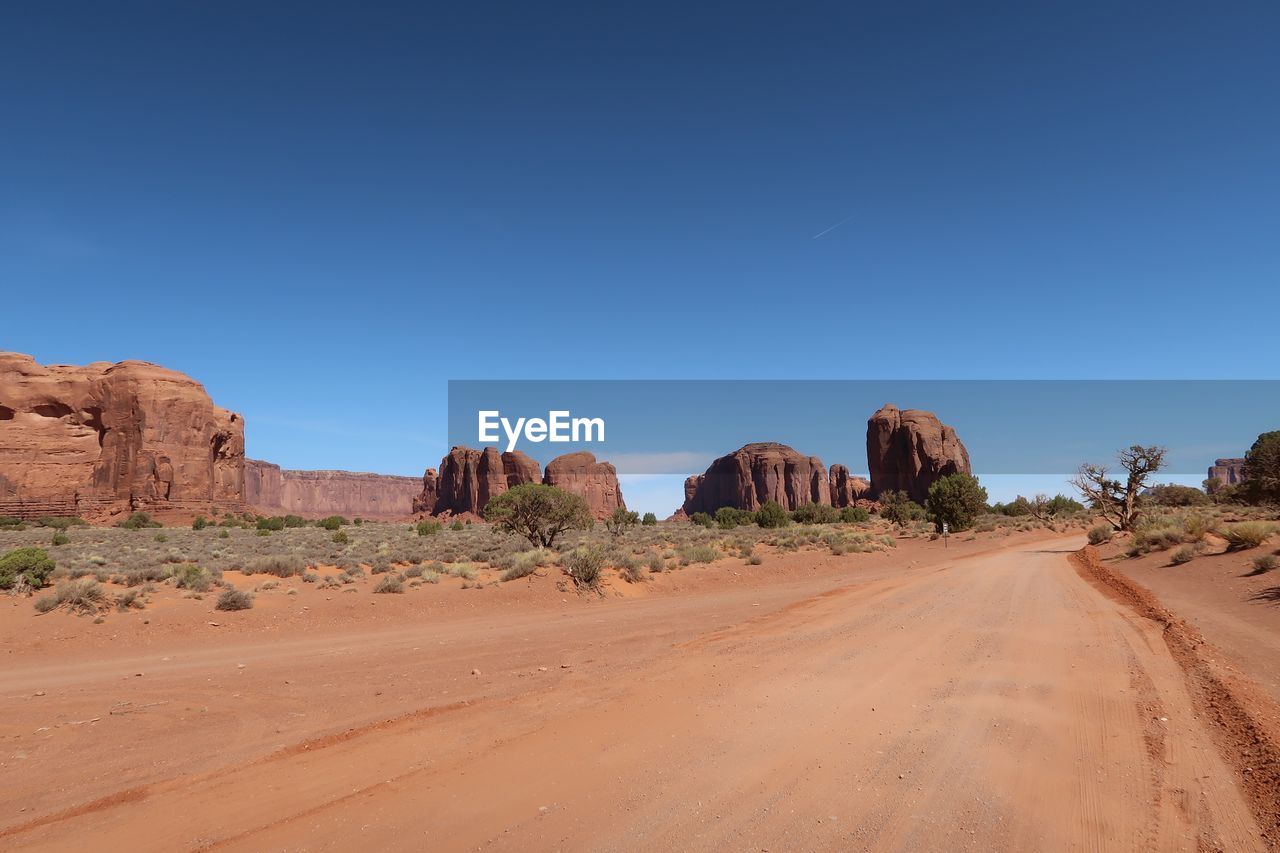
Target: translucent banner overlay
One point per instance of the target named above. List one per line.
(676, 427)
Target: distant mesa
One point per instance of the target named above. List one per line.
(273, 490)
(909, 450)
(1228, 472)
(468, 479)
(106, 438)
(754, 474)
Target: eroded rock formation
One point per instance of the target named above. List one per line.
(754, 474)
(909, 450)
(313, 494)
(468, 479)
(847, 490)
(1229, 472)
(108, 438)
(596, 482)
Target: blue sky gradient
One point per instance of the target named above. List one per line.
(324, 211)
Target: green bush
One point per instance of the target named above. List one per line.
(538, 512)
(729, 517)
(234, 599)
(854, 515)
(457, 524)
(199, 523)
(813, 513)
(138, 520)
(583, 566)
(899, 509)
(192, 577)
(332, 522)
(702, 519)
(1172, 494)
(60, 538)
(340, 538)
(293, 521)
(33, 565)
(429, 528)
(649, 520)
(1247, 534)
(1101, 534)
(956, 500)
(621, 521)
(771, 514)
(61, 522)
(275, 522)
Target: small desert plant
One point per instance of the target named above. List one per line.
(130, 599)
(60, 538)
(1264, 564)
(280, 565)
(771, 514)
(430, 576)
(854, 515)
(33, 565)
(340, 538)
(1101, 534)
(462, 570)
(1247, 534)
(655, 562)
(310, 577)
(1196, 527)
(191, 577)
(80, 596)
(698, 553)
(730, 517)
(457, 525)
(429, 528)
(814, 513)
(754, 560)
(137, 521)
(1185, 554)
(199, 523)
(234, 599)
(332, 522)
(275, 522)
(526, 563)
(583, 566)
(389, 584)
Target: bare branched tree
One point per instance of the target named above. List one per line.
(1117, 501)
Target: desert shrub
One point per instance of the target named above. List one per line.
(429, 528)
(1185, 554)
(1100, 534)
(199, 523)
(698, 553)
(294, 521)
(754, 560)
(898, 508)
(234, 599)
(854, 515)
(649, 520)
(655, 562)
(131, 599)
(143, 574)
(389, 584)
(160, 537)
(729, 517)
(275, 522)
(1196, 527)
(332, 522)
(222, 534)
(280, 565)
(1247, 534)
(956, 500)
(1172, 494)
(430, 576)
(772, 515)
(310, 577)
(33, 565)
(137, 521)
(539, 513)
(621, 521)
(79, 596)
(813, 513)
(191, 577)
(1155, 537)
(462, 570)
(583, 566)
(340, 538)
(702, 519)
(629, 569)
(526, 563)
(457, 525)
(59, 538)
(1265, 563)
(61, 522)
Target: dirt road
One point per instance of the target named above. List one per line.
(993, 702)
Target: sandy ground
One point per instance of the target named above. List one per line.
(987, 697)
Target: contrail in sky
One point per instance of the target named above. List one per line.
(826, 231)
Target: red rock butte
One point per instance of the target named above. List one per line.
(108, 438)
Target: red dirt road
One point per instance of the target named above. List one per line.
(993, 702)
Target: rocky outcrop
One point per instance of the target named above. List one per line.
(596, 482)
(754, 474)
(847, 490)
(1228, 472)
(314, 494)
(425, 501)
(909, 450)
(468, 479)
(108, 438)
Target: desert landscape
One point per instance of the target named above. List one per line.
(208, 652)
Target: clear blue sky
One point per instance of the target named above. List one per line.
(323, 211)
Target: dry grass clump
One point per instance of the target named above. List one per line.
(389, 584)
(84, 596)
(527, 563)
(1247, 534)
(1101, 534)
(583, 566)
(234, 599)
(279, 565)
